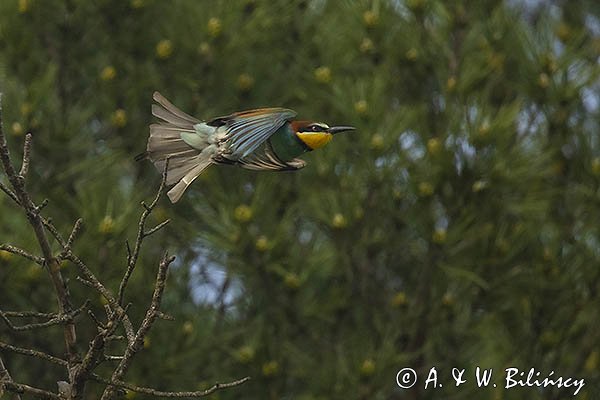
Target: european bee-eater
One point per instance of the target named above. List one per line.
(265, 139)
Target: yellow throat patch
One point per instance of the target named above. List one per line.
(315, 140)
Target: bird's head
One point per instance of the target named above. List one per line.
(316, 134)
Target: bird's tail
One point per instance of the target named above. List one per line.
(185, 162)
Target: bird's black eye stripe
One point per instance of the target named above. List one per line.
(315, 128)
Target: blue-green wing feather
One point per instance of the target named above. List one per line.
(249, 129)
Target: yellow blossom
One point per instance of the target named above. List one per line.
(425, 189)
(17, 129)
(366, 46)
(439, 236)
(370, 18)
(245, 82)
(270, 368)
(412, 54)
(339, 221)
(214, 27)
(367, 368)
(434, 146)
(262, 243)
(108, 73)
(242, 213)
(377, 142)
(119, 118)
(323, 74)
(164, 49)
(107, 225)
(292, 280)
(361, 107)
(399, 299)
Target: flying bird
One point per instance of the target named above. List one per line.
(265, 139)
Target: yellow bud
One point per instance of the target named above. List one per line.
(596, 166)
(107, 225)
(17, 129)
(591, 363)
(164, 49)
(484, 129)
(339, 221)
(270, 368)
(361, 107)
(412, 54)
(496, 61)
(439, 236)
(147, 342)
(245, 354)
(243, 213)
(367, 368)
(479, 185)
(359, 212)
(397, 194)
(24, 6)
(108, 73)
(502, 245)
(214, 27)
(323, 74)
(119, 118)
(188, 327)
(377, 142)
(448, 299)
(5, 255)
(245, 82)
(64, 264)
(262, 243)
(137, 4)
(366, 46)
(549, 338)
(292, 280)
(26, 109)
(415, 5)
(543, 80)
(425, 189)
(399, 299)
(370, 18)
(103, 300)
(451, 84)
(204, 49)
(130, 394)
(434, 145)
(563, 32)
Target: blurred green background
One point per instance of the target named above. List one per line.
(457, 227)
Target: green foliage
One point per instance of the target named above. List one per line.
(457, 227)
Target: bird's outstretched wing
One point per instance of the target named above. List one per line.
(247, 130)
(264, 158)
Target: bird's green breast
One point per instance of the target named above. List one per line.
(286, 144)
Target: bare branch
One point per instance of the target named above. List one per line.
(20, 388)
(157, 228)
(34, 353)
(26, 156)
(62, 293)
(5, 377)
(22, 253)
(74, 233)
(90, 279)
(9, 193)
(29, 314)
(132, 257)
(149, 318)
(56, 320)
(159, 393)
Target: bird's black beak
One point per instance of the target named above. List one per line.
(337, 129)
